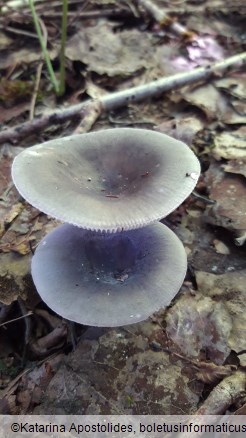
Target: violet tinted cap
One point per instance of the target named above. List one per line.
(107, 180)
(108, 280)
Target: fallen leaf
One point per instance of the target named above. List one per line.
(197, 323)
(130, 50)
(220, 247)
(236, 166)
(208, 99)
(228, 290)
(228, 190)
(7, 114)
(182, 128)
(234, 86)
(13, 270)
(18, 56)
(230, 145)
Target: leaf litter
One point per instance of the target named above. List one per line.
(196, 346)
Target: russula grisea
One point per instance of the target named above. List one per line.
(108, 279)
(112, 263)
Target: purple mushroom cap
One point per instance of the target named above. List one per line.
(109, 280)
(111, 180)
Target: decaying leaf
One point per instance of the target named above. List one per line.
(220, 247)
(229, 291)
(129, 51)
(242, 358)
(234, 85)
(8, 405)
(182, 128)
(13, 269)
(13, 213)
(197, 323)
(24, 56)
(116, 373)
(208, 99)
(230, 145)
(228, 191)
(236, 166)
(35, 382)
(201, 50)
(207, 372)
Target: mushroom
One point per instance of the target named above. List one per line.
(108, 280)
(110, 264)
(112, 180)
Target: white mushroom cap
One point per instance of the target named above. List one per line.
(108, 280)
(107, 180)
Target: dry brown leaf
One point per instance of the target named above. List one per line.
(234, 86)
(182, 128)
(116, 372)
(106, 52)
(230, 145)
(208, 99)
(197, 323)
(18, 56)
(220, 247)
(228, 290)
(242, 358)
(236, 166)
(7, 114)
(228, 191)
(13, 270)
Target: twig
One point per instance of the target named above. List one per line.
(165, 20)
(119, 99)
(224, 395)
(16, 319)
(18, 31)
(87, 15)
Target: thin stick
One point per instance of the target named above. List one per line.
(16, 319)
(165, 20)
(119, 99)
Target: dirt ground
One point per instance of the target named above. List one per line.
(191, 356)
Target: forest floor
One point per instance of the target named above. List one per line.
(190, 357)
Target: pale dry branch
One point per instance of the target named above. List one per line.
(224, 395)
(165, 20)
(119, 99)
(16, 319)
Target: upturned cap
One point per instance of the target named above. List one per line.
(111, 180)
